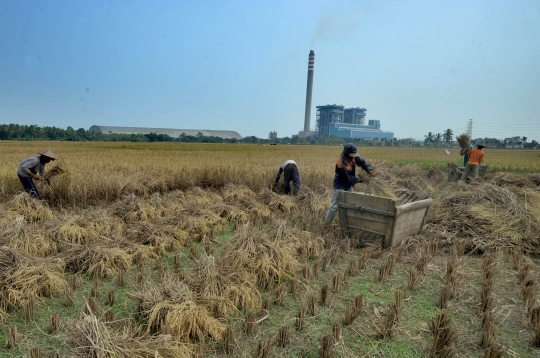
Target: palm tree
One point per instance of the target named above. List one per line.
(447, 136)
(429, 138)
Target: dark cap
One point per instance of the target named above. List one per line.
(350, 149)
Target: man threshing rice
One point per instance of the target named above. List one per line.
(290, 173)
(345, 177)
(476, 157)
(29, 169)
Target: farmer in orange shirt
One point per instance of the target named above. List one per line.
(476, 157)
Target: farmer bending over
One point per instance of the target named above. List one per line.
(476, 157)
(345, 176)
(29, 169)
(290, 173)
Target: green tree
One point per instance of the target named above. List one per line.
(447, 136)
(429, 138)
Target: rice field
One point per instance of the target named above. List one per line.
(173, 250)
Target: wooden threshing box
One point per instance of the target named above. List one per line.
(372, 219)
(454, 172)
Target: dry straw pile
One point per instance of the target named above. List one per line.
(486, 216)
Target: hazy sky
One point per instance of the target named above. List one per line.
(417, 66)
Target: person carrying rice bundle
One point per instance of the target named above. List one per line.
(464, 142)
(30, 168)
(289, 169)
(464, 152)
(345, 177)
(476, 157)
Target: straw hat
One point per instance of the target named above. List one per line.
(48, 153)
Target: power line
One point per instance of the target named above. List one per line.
(499, 125)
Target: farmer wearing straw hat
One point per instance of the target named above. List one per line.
(289, 169)
(29, 169)
(476, 157)
(345, 177)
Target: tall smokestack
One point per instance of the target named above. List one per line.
(311, 67)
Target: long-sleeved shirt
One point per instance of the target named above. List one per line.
(476, 156)
(32, 164)
(345, 177)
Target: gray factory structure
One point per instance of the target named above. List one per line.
(174, 133)
(334, 120)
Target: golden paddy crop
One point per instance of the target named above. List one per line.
(107, 171)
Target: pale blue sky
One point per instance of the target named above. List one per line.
(417, 66)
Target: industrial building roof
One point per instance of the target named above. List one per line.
(175, 133)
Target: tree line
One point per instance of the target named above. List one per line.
(436, 140)
(34, 132)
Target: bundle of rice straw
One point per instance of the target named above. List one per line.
(485, 216)
(312, 201)
(3, 315)
(60, 167)
(229, 212)
(283, 203)
(254, 252)
(90, 337)
(255, 209)
(133, 209)
(185, 321)
(516, 180)
(220, 291)
(97, 259)
(199, 197)
(196, 220)
(232, 193)
(32, 209)
(304, 243)
(24, 278)
(72, 231)
(18, 236)
(157, 234)
(463, 140)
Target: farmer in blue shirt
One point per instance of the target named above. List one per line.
(345, 177)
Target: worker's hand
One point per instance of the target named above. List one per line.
(372, 173)
(35, 177)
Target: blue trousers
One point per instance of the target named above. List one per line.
(334, 208)
(30, 187)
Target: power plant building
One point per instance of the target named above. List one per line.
(336, 120)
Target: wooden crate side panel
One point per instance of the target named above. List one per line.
(390, 227)
(343, 214)
(375, 202)
(371, 222)
(407, 224)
